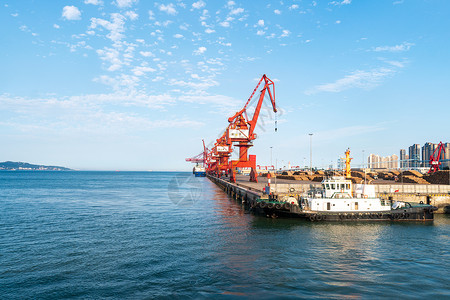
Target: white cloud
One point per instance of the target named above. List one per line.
(115, 26)
(344, 2)
(86, 115)
(285, 33)
(261, 23)
(93, 2)
(277, 12)
(139, 71)
(338, 22)
(260, 32)
(120, 82)
(169, 9)
(230, 3)
(293, 6)
(396, 48)
(124, 3)
(111, 56)
(202, 85)
(132, 15)
(71, 13)
(237, 11)
(397, 64)
(209, 30)
(146, 53)
(225, 24)
(178, 36)
(357, 79)
(200, 50)
(151, 15)
(56, 26)
(198, 4)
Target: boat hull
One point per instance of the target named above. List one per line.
(200, 174)
(421, 213)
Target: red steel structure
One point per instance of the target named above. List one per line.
(434, 159)
(240, 131)
(200, 158)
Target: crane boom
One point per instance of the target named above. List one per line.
(241, 129)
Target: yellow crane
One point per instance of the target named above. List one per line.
(348, 172)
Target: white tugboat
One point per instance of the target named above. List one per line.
(340, 200)
(337, 195)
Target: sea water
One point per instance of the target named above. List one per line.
(138, 235)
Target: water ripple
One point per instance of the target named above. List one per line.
(123, 235)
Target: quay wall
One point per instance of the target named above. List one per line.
(436, 194)
(238, 191)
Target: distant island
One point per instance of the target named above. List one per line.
(13, 166)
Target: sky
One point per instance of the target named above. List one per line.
(137, 85)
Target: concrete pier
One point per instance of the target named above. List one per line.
(437, 195)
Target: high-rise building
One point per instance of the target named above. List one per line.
(393, 162)
(446, 156)
(403, 158)
(341, 163)
(388, 162)
(373, 161)
(414, 156)
(427, 150)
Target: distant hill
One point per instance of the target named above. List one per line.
(11, 165)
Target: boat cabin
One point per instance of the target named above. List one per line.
(338, 194)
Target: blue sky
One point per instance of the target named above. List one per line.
(136, 85)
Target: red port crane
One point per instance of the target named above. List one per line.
(434, 159)
(240, 131)
(200, 158)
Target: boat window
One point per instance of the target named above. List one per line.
(342, 186)
(347, 186)
(328, 205)
(328, 186)
(332, 186)
(323, 186)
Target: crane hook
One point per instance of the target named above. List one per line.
(276, 129)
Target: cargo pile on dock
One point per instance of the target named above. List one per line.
(439, 177)
(410, 176)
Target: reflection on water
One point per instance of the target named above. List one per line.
(120, 235)
(333, 259)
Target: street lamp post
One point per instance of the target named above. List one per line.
(363, 163)
(271, 156)
(310, 152)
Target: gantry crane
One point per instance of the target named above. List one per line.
(200, 158)
(434, 159)
(240, 131)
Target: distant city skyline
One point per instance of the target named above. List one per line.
(137, 85)
(417, 157)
